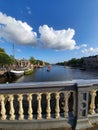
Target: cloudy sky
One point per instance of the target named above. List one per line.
(49, 30)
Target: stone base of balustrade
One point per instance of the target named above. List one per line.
(93, 118)
(36, 124)
(83, 124)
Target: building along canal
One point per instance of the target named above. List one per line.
(58, 73)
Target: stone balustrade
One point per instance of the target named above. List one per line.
(49, 105)
(52, 105)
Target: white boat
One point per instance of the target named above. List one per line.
(16, 73)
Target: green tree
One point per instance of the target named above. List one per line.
(73, 62)
(4, 58)
(2, 50)
(32, 60)
(81, 61)
(12, 58)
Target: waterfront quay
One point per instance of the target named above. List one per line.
(49, 105)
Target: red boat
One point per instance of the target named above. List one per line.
(49, 68)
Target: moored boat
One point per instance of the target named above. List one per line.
(28, 71)
(16, 73)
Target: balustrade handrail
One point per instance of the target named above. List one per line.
(37, 86)
(80, 82)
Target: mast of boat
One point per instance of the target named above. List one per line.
(13, 51)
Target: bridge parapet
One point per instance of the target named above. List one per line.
(47, 105)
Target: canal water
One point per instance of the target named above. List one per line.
(58, 73)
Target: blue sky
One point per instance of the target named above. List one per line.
(49, 30)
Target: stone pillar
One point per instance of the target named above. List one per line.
(82, 107)
(39, 106)
(48, 106)
(20, 98)
(29, 98)
(74, 103)
(57, 109)
(66, 108)
(10, 99)
(92, 105)
(3, 110)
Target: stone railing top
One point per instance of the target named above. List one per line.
(88, 82)
(80, 82)
(50, 86)
(37, 87)
(37, 84)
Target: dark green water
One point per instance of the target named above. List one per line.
(58, 73)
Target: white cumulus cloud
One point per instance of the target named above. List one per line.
(90, 50)
(57, 39)
(84, 45)
(20, 32)
(16, 30)
(81, 46)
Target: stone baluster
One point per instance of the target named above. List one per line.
(3, 110)
(66, 108)
(20, 98)
(92, 105)
(48, 106)
(30, 111)
(39, 110)
(57, 106)
(74, 103)
(10, 99)
(96, 103)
